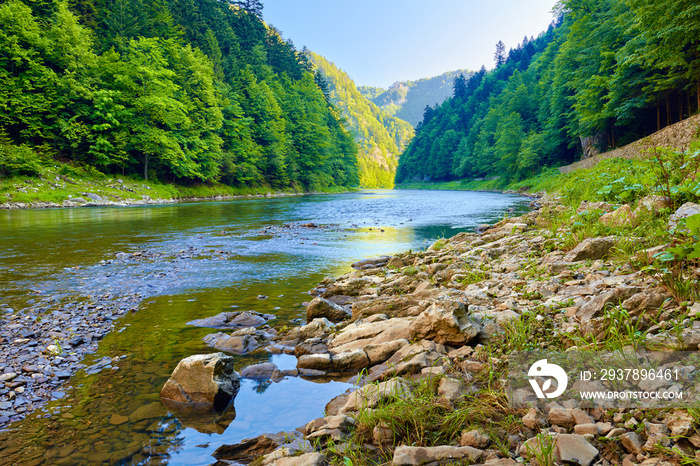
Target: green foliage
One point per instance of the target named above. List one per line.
(407, 99)
(380, 137)
(607, 71)
(183, 91)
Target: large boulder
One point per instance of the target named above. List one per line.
(445, 322)
(203, 381)
(321, 307)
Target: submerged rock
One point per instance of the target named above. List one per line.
(233, 319)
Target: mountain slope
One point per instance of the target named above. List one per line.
(407, 99)
(380, 136)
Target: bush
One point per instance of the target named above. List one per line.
(18, 160)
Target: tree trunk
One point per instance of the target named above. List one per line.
(145, 167)
(668, 111)
(658, 116)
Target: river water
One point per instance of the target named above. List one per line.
(196, 260)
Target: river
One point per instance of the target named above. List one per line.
(195, 260)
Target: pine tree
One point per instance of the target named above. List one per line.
(500, 55)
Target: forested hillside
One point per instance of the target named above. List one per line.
(185, 91)
(606, 73)
(380, 137)
(407, 99)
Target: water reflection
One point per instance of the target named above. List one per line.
(191, 261)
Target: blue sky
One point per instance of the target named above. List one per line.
(379, 42)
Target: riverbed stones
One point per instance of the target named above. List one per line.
(321, 307)
(206, 381)
(259, 371)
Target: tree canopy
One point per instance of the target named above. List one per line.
(185, 91)
(607, 70)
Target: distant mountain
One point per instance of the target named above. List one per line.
(380, 136)
(407, 99)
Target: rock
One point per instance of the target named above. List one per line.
(587, 206)
(233, 344)
(150, 411)
(329, 427)
(560, 417)
(446, 323)
(405, 455)
(321, 307)
(74, 201)
(315, 328)
(680, 423)
(572, 448)
(233, 320)
(653, 203)
(630, 442)
(392, 306)
(591, 248)
(685, 211)
(382, 434)
(474, 438)
(307, 459)
(370, 395)
(316, 362)
(581, 417)
(249, 449)
(361, 334)
(93, 197)
(350, 361)
(452, 390)
(259, 371)
(530, 419)
(206, 380)
(380, 352)
(371, 263)
(117, 419)
(596, 306)
(622, 217)
(586, 429)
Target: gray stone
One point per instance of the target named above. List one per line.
(233, 320)
(591, 248)
(259, 371)
(321, 307)
(307, 459)
(684, 211)
(405, 455)
(572, 448)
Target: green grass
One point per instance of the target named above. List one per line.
(56, 182)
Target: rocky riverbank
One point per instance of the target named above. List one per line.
(428, 334)
(43, 345)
